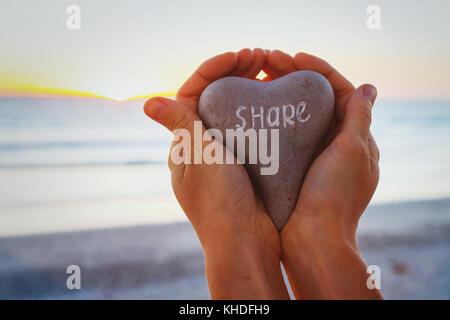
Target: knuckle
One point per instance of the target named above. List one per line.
(366, 115)
(179, 122)
(375, 150)
(301, 56)
(355, 146)
(359, 149)
(176, 168)
(170, 161)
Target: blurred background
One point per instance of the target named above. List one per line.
(83, 174)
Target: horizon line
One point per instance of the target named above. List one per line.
(45, 92)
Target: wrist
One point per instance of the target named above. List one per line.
(322, 260)
(243, 270)
(324, 272)
(318, 231)
(241, 274)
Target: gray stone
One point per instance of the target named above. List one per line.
(311, 97)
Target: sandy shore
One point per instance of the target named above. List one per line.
(409, 241)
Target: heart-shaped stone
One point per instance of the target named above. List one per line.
(299, 104)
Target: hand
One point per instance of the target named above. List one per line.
(319, 247)
(241, 244)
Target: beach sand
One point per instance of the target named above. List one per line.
(166, 261)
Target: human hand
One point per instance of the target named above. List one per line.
(241, 244)
(319, 247)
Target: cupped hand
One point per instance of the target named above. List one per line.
(342, 179)
(241, 244)
(319, 247)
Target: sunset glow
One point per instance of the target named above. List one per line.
(121, 53)
(37, 92)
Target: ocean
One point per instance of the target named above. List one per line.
(70, 167)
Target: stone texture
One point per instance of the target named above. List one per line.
(297, 142)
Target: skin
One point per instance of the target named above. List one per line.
(319, 246)
(241, 244)
(243, 249)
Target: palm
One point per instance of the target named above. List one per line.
(316, 189)
(333, 154)
(229, 191)
(238, 205)
(230, 197)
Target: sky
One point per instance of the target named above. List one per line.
(134, 48)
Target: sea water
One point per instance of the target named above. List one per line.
(80, 164)
(77, 163)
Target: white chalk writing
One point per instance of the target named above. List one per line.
(289, 114)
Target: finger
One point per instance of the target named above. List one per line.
(374, 160)
(209, 71)
(259, 58)
(373, 148)
(271, 73)
(174, 116)
(279, 64)
(374, 156)
(245, 61)
(342, 87)
(269, 70)
(358, 112)
(170, 113)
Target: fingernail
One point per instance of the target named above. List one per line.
(370, 92)
(155, 109)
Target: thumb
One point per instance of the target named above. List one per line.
(358, 111)
(170, 113)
